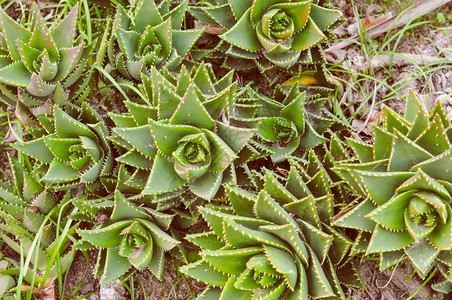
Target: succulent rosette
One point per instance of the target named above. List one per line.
(28, 208)
(271, 245)
(177, 140)
(48, 67)
(193, 149)
(128, 236)
(292, 122)
(280, 33)
(146, 35)
(75, 151)
(405, 182)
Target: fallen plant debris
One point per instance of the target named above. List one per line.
(152, 144)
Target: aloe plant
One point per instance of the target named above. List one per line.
(30, 212)
(292, 122)
(183, 138)
(146, 35)
(47, 66)
(74, 151)
(272, 245)
(403, 179)
(268, 34)
(128, 236)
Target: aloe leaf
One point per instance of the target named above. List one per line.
(231, 292)
(266, 208)
(13, 32)
(296, 185)
(283, 263)
(124, 210)
(168, 101)
(413, 106)
(259, 7)
(69, 57)
(38, 87)
(157, 263)
(146, 13)
(441, 236)
(318, 284)
(106, 237)
(64, 32)
(364, 151)
(222, 155)
(135, 159)
(374, 181)
(294, 111)
(310, 36)
(381, 139)
(242, 34)
(389, 214)
(438, 166)
(417, 231)
(163, 178)
(220, 14)
(161, 238)
(384, 240)
(15, 74)
(115, 266)
(230, 261)
(36, 148)
(419, 124)
(167, 136)
(28, 55)
(422, 255)
(206, 240)
(184, 40)
(353, 217)
(207, 185)
(192, 112)
(405, 154)
(241, 201)
(277, 191)
(304, 209)
(68, 127)
(140, 137)
(311, 138)
(392, 120)
(324, 17)
(319, 241)
(59, 172)
(141, 113)
(203, 272)
(299, 13)
(434, 139)
(163, 33)
(239, 7)
(389, 259)
(10, 197)
(41, 38)
(30, 186)
(240, 236)
(128, 42)
(423, 182)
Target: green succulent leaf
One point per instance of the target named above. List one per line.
(409, 195)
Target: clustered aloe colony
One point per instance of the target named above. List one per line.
(269, 34)
(269, 176)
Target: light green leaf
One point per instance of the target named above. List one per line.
(163, 178)
(243, 34)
